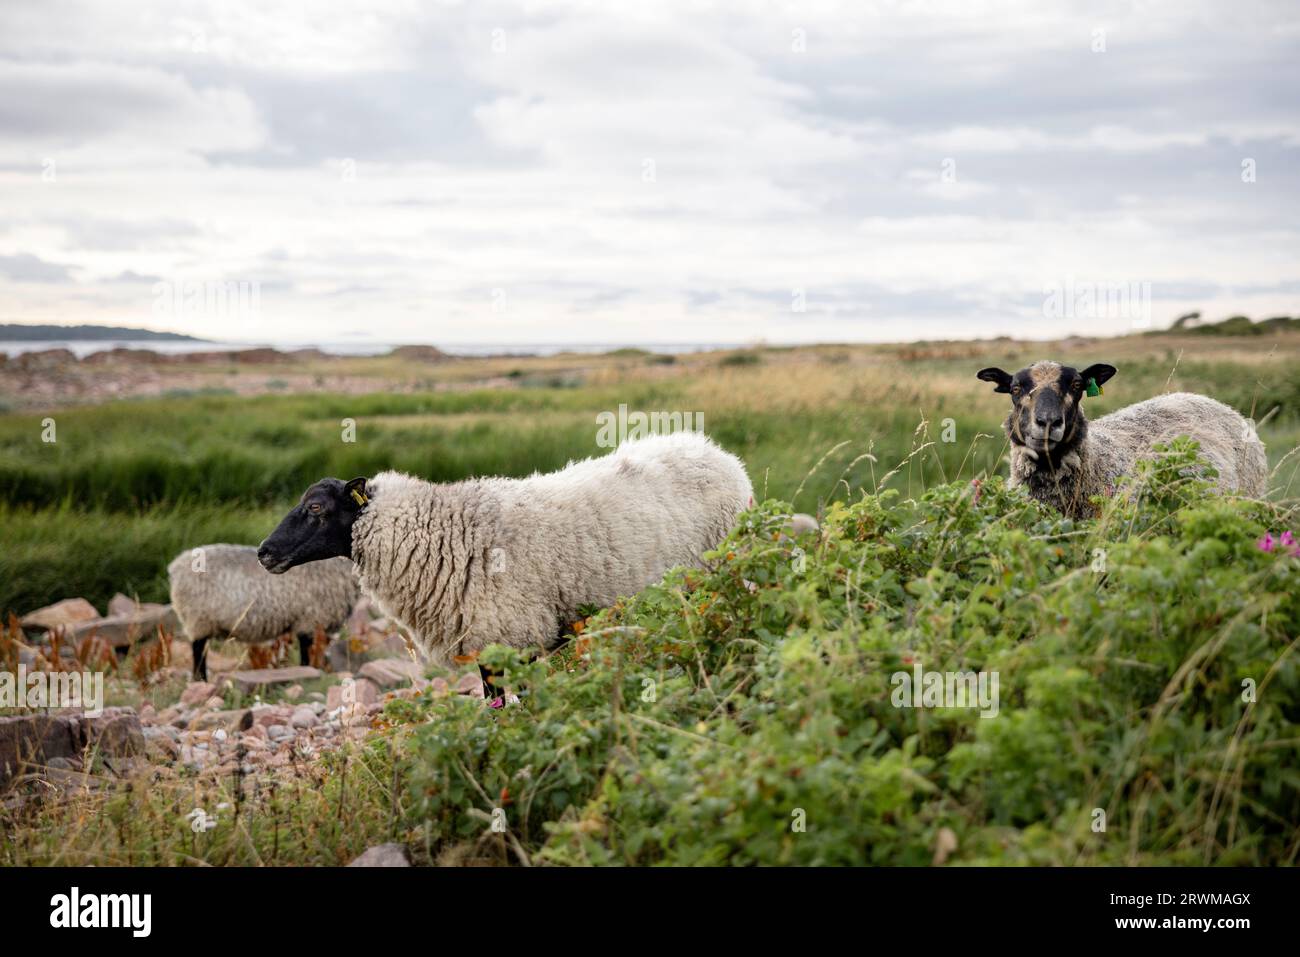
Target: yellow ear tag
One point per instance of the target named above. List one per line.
(359, 498)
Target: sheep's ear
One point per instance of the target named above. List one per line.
(1099, 373)
(995, 375)
(356, 490)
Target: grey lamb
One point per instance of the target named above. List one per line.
(1064, 460)
(222, 590)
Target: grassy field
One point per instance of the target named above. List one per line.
(126, 485)
(741, 713)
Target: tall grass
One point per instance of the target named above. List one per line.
(128, 484)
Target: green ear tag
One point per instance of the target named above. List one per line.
(1093, 388)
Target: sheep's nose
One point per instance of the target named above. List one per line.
(1044, 422)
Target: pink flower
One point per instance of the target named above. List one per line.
(498, 702)
(1286, 542)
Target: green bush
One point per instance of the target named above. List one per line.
(1146, 670)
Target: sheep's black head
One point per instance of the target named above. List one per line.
(1047, 402)
(318, 527)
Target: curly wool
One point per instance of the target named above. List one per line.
(511, 561)
(1115, 442)
(234, 595)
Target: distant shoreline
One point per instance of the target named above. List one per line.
(25, 332)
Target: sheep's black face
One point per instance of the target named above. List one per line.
(318, 527)
(1047, 403)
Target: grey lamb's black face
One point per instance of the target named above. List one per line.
(318, 527)
(1046, 399)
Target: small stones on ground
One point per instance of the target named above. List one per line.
(197, 733)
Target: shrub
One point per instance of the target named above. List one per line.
(706, 719)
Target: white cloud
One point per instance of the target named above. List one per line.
(644, 171)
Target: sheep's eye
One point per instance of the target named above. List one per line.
(1015, 390)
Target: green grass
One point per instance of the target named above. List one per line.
(745, 713)
(129, 484)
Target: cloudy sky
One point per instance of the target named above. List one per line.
(703, 171)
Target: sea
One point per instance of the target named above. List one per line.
(84, 347)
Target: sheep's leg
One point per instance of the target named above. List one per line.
(200, 646)
(304, 649)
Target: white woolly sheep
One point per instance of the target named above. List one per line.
(222, 590)
(511, 561)
(1064, 460)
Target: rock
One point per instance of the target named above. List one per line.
(471, 684)
(39, 738)
(303, 717)
(391, 672)
(160, 744)
(364, 692)
(383, 855)
(279, 733)
(45, 359)
(271, 714)
(247, 682)
(70, 611)
(35, 739)
(359, 619)
(225, 720)
(119, 604)
(115, 733)
(293, 692)
(121, 631)
(196, 693)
